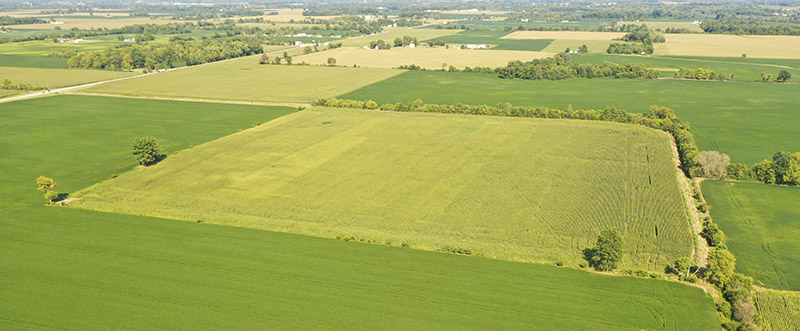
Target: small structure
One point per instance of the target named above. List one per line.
(129, 40)
(54, 22)
(479, 46)
(78, 41)
(411, 45)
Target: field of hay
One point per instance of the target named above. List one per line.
(780, 310)
(496, 186)
(426, 57)
(244, 79)
(772, 47)
(566, 35)
(665, 25)
(59, 77)
(762, 224)
(389, 34)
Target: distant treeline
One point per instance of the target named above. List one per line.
(166, 55)
(784, 168)
(8, 85)
(659, 118)
(623, 48)
(558, 67)
(644, 35)
(140, 29)
(749, 27)
(8, 20)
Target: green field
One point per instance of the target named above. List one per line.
(762, 223)
(47, 47)
(780, 310)
(245, 79)
(492, 185)
(92, 270)
(32, 61)
(748, 121)
(53, 78)
(493, 38)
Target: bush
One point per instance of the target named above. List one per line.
(146, 150)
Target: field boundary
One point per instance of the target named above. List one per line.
(255, 103)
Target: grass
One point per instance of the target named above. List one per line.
(244, 79)
(426, 57)
(761, 225)
(776, 47)
(491, 185)
(749, 121)
(92, 270)
(8, 93)
(389, 34)
(32, 61)
(495, 39)
(780, 310)
(743, 69)
(54, 78)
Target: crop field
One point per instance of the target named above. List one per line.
(123, 271)
(775, 47)
(666, 25)
(762, 224)
(743, 69)
(426, 57)
(781, 310)
(491, 185)
(495, 40)
(568, 35)
(245, 79)
(58, 77)
(47, 47)
(389, 35)
(748, 121)
(32, 61)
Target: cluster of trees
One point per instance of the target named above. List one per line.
(165, 55)
(783, 76)
(405, 41)
(713, 164)
(738, 310)
(379, 44)
(625, 48)
(277, 60)
(6, 84)
(699, 73)
(660, 118)
(8, 20)
(784, 168)
(749, 27)
(561, 67)
(644, 35)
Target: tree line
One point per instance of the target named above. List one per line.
(644, 35)
(699, 73)
(6, 84)
(740, 27)
(784, 168)
(8, 20)
(154, 56)
(660, 118)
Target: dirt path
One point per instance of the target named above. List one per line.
(284, 104)
(700, 251)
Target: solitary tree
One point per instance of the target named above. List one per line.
(783, 76)
(146, 150)
(583, 49)
(48, 186)
(721, 266)
(331, 61)
(607, 253)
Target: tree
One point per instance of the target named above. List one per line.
(331, 61)
(792, 175)
(781, 163)
(48, 186)
(783, 76)
(765, 78)
(146, 150)
(739, 171)
(567, 50)
(607, 253)
(764, 172)
(714, 164)
(307, 50)
(127, 62)
(264, 59)
(721, 266)
(583, 49)
(744, 56)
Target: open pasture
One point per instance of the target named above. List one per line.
(53, 78)
(748, 121)
(495, 40)
(773, 47)
(762, 224)
(389, 34)
(122, 271)
(491, 185)
(780, 310)
(244, 79)
(426, 57)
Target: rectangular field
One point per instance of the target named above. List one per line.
(32, 61)
(773, 47)
(245, 79)
(762, 224)
(53, 78)
(749, 121)
(426, 57)
(66, 268)
(496, 186)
